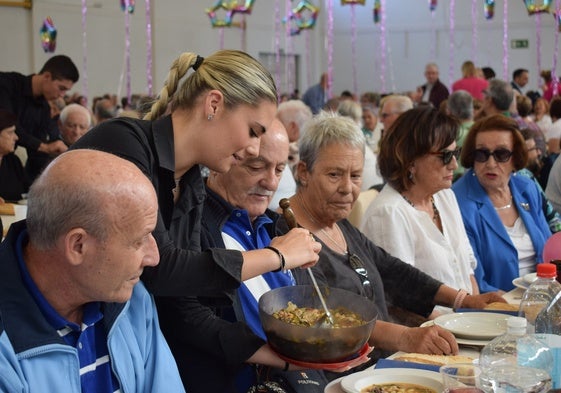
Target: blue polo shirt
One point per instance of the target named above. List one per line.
(89, 338)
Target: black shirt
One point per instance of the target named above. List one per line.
(13, 180)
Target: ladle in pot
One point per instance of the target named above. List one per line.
(290, 218)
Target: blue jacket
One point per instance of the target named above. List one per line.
(497, 258)
(33, 358)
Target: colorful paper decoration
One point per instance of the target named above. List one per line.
(432, 4)
(536, 7)
(352, 2)
(304, 16)
(48, 35)
(129, 8)
(231, 7)
(489, 9)
(377, 11)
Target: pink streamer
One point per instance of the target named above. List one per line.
(556, 52)
(243, 35)
(330, 25)
(278, 23)
(289, 49)
(383, 46)
(505, 41)
(451, 37)
(84, 51)
(149, 82)
(221, 37)
(353, 49)
(433, 33)
(128, 50)
(308, 58)
(474, 31)
(539, 44)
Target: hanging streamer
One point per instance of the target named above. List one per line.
(277, 47)
(353, 49)
(376, 11)
(539, 44)
(537, 7)
(383, 46)
(489, 9)
(474, 51)
(128, 49)
(505, 41)
(289, 50)
(452, 46)
(432, 5)
(433, 33)
(84, 75)
(556, 50)
(48, 35)
(149, 83)
(330, 26)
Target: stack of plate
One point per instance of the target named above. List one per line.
(524, 281)
(473, 328)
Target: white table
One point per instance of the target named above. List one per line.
(7, 220)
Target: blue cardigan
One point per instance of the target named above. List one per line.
(497, 258)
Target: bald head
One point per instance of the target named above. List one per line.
(251, 184)
(85, 188)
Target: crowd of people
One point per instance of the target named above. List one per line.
(153, 226)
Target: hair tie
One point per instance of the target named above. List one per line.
(198, 62)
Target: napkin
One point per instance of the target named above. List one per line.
(389, 363)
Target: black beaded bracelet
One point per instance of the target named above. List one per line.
(281, 257)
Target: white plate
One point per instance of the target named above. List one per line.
(355, 382)
(530, 278)
(460, 341)
(520, 283)
(474, 325)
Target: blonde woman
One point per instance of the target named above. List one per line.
(470, 82)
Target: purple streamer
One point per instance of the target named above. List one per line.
(308, 58)
(451, 37)
(84, 51)
(149, 82)
(474, 31)
(433, 33)
(556, 52)
(243, 35)
(221, 37)
(383, 46)
(539, 44)
(505, 41)
(289, 49)
(278, 23)
(330, 47)
(353, 49)
(128, 51)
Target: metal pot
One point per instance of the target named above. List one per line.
(315, 344)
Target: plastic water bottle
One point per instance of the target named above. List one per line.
(539, 293)
(516, 361)
(548, 329)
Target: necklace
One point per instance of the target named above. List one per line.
(343, 250)
(435, 212)
(507, 206)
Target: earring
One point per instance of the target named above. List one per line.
(210, 117)
(410, 175)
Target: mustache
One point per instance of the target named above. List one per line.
(261, 191)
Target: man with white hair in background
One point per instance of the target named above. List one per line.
(434, 91)
(293, 114)
(73, 123)
(391, 107)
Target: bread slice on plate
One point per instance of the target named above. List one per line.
(437, 360)
(501, 306)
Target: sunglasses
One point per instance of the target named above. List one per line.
(446, 155)
(500, 155)
(358, 266)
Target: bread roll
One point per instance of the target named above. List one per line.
(501, 306)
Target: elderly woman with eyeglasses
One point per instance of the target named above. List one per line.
(502, 212)
(416, 217)
(329, 177)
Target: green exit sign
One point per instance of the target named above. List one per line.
(519, 44)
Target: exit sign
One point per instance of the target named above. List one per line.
(519, 44)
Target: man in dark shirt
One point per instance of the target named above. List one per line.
(27, 97)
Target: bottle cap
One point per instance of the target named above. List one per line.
(547, 270)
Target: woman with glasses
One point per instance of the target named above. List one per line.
(502, 212)
(328, 178)
(416, 217)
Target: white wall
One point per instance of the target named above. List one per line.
(182, 25)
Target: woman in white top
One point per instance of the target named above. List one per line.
(416, 216)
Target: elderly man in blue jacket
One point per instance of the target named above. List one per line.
(73, 315)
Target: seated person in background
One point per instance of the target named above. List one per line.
(329, 177)
(74, 122)
(235, 216)
(422, 221)
(460, 105)
(75, 316)
(371, 127)
(502, 212)
(13, 178)
(553, 133)
(540, 114)
(532, 171)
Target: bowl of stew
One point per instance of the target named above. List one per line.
(296, 328)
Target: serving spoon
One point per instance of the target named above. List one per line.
(290, 219)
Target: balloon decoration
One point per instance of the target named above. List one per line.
(432, 4)
(489, 9)
(377, 11)
(536, 7)
(48, 35)
(304, 16)
(127, 7)
(231, 8)
(352, 2)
